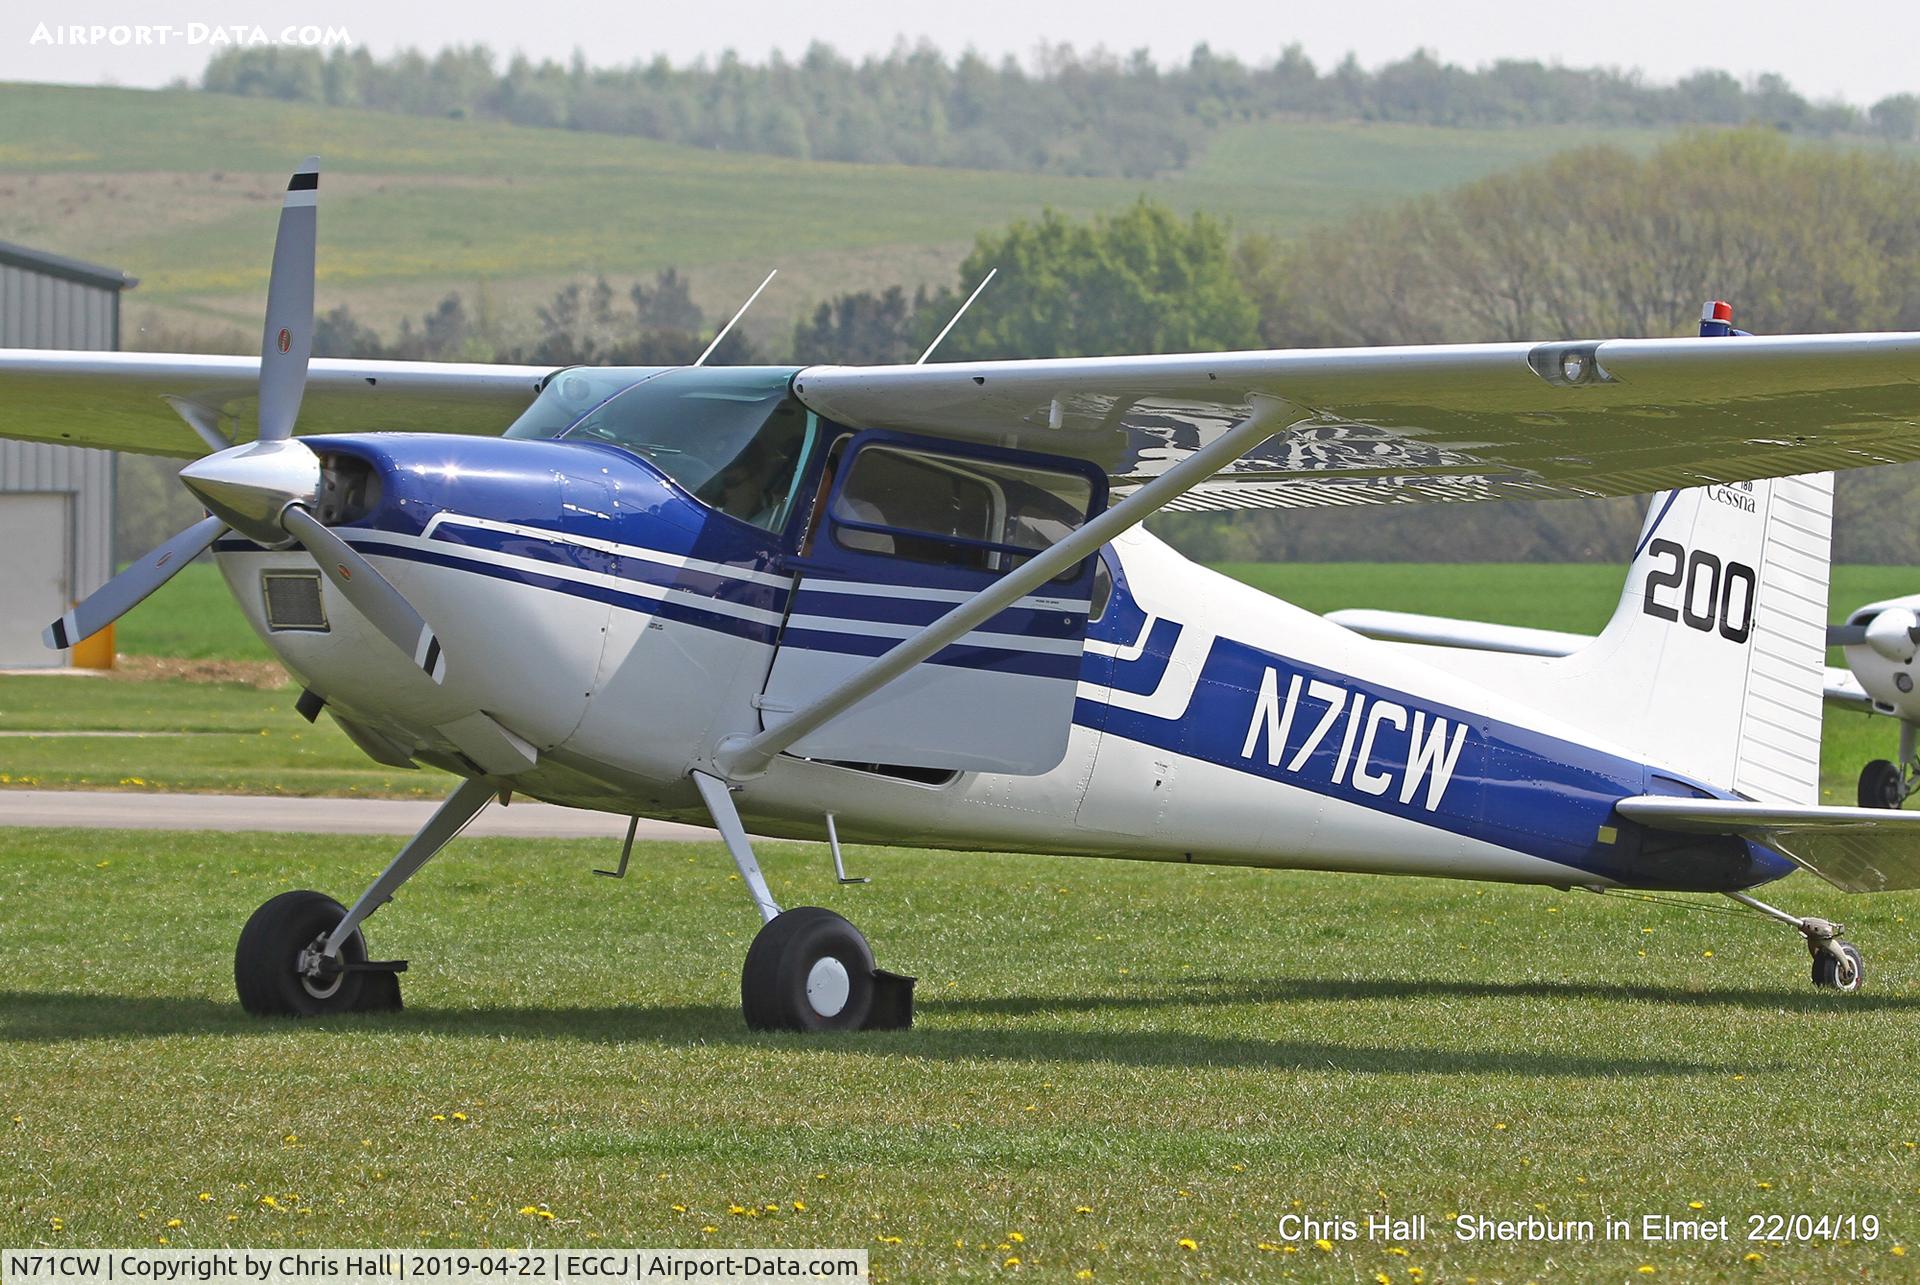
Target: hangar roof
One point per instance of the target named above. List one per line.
(59, 265)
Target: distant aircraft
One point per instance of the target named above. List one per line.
(913, 605)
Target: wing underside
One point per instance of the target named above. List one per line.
(1431, 423)
(121, 401)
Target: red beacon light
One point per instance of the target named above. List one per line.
(1716, 320)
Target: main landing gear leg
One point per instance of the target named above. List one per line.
(1890, 785)
(302, 955)
(1836, 964)
(808, 969)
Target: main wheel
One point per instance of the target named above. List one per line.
(1831, 974)
(807, 970)
(266, 968)
(1881, 785)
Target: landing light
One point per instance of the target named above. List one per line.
(1573, 366)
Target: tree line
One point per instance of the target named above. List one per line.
(1069, 112)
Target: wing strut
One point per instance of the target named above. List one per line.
(742, 757)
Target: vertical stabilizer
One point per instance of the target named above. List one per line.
(1713, 662)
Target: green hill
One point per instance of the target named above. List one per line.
(179, 188)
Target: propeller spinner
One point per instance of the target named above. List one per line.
(264, 489)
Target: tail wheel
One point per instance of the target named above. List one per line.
(1881, 785)
(807, 970)
(1847, 974)
(267, 963)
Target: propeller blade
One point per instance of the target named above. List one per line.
(1846, 635)
(127, 590)
(287, 341)
(371, 593)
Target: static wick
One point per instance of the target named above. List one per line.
(736, 316)
(956, 316)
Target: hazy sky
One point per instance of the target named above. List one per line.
(1859, 52)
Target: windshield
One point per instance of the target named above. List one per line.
(733, 437)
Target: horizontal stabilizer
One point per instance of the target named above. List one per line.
(1840, 688)
(1443, 631)
(1854, 849)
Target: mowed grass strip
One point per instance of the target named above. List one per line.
(1111, 1060)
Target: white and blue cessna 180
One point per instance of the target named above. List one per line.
(914, 605)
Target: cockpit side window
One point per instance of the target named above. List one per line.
(987, 515)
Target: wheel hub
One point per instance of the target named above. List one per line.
(828, 986)
(319, 976)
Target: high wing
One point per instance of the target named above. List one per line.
(1854, 849)
(119, 400)
(1427, 423)
(1840, 688)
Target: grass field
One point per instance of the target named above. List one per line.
(179, 189)
(1111, 1060)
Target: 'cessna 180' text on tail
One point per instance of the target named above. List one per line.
(914, 605)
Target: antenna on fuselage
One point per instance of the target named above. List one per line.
(956, 316)
(702, 360)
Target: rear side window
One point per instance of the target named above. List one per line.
(988, 515)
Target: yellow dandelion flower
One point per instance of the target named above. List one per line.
(1382, 1278)
(233, 1218)
(164, 1241)
(773, 1209)
(1013, 1260)
(205, 1196)
(438, 1117)
(708, 1230)
(799, 1206)
(1645, 1269)
(56, 1224)
(1398, 1251)
(460, 1115)
(1898, 1251)
(175, 1222)
(528, 1211)
(1324, 1245)
(679, 1209)
(1764, 1186)
(1016, 1238)
(1083, 1209)
(1084, 1274)
(17, 1119)
(270, 1202)
(736, 1210)
(1188, 1243)
(888, 1240)
(1753, 1256)
(547, 1214)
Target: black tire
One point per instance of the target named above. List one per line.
(1881, 785)
(264, 963)
(1828, 975)
(781, 963)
